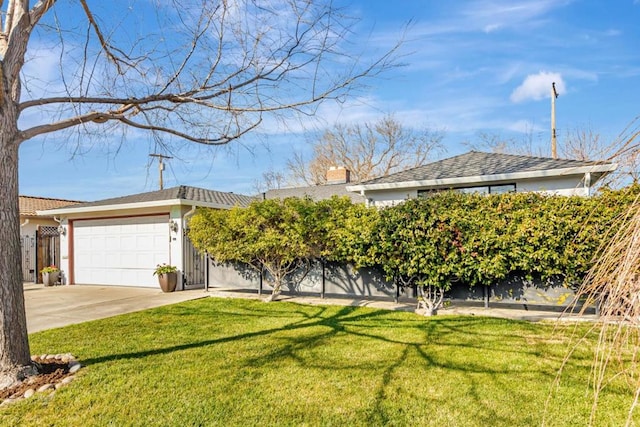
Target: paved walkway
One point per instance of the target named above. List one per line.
(51, 307)
(508, 313)
(55, 306)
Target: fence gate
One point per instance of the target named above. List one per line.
(28, 246)
(194, 264)
(48, 248)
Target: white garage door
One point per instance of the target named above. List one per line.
(120, 251)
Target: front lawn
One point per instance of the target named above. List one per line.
(238, 362)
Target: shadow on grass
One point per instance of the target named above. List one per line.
(428, 339)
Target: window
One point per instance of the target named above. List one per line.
(486, 189)
(501, 189)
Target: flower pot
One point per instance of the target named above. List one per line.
(50, 279)
(168, 281)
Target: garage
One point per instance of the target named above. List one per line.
(120, 251)
(120, 241)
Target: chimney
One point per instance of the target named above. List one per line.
(338, 175)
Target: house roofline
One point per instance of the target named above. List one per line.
(134, 205)
(603, 168)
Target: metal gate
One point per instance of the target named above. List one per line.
(194, 264)
(48, 248)
(28, 246)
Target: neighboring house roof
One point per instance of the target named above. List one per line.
(181, 195)
(316, 192)
(30, 204)
(478, 167)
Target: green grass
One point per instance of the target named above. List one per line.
(237, 362)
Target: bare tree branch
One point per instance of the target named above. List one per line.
(367, 151)
(200, 71)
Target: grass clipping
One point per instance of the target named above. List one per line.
(613, 284)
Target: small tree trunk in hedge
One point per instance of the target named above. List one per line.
(277, 288)
(430, 300)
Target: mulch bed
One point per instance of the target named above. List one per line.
(52, 371)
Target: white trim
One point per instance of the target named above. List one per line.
(609, 167)
(134, 205)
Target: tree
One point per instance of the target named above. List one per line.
(208, 72)
(583, 143)
(407, 247)
(367, 151)
(273, 236)
(271, 180)
(497, 143)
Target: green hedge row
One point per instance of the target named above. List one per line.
(480, 239)
(475, 239)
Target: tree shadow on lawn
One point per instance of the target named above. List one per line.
(438, 342)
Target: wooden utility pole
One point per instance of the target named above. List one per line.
(161, 157)
(554, 95)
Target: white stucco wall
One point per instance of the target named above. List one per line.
(565, 186)
(29, 228)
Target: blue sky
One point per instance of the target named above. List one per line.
(469, 67)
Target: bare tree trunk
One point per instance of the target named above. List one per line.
(15, 360)
(277, 288)
(430, 300)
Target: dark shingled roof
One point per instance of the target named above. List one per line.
(316, 192)
(475, 163)
(181, 192)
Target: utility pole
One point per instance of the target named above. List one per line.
(554, 95)
(161, 157)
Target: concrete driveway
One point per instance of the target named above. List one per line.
(52, 307)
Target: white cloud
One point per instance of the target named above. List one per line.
(491, 27)
(538, 86)
(524, 126)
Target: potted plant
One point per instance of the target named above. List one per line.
(50, 275)
(167, 277)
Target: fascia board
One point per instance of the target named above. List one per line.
(547, 173)
(129, 206)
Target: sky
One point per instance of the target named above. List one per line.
(468, 67)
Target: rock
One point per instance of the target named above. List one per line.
(45, 388)
(29, 393)
(67, 380)
(51, 356)
(74, 368)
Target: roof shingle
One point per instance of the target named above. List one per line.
(181, 192)
(476, 163)
(30, 204)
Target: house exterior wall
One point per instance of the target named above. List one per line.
(385, 198)
(29, 228)
(564, 186)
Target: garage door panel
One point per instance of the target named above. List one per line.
(120, 251)
(112, 243)
(98, 243)
(112, 260)
(144, 241)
